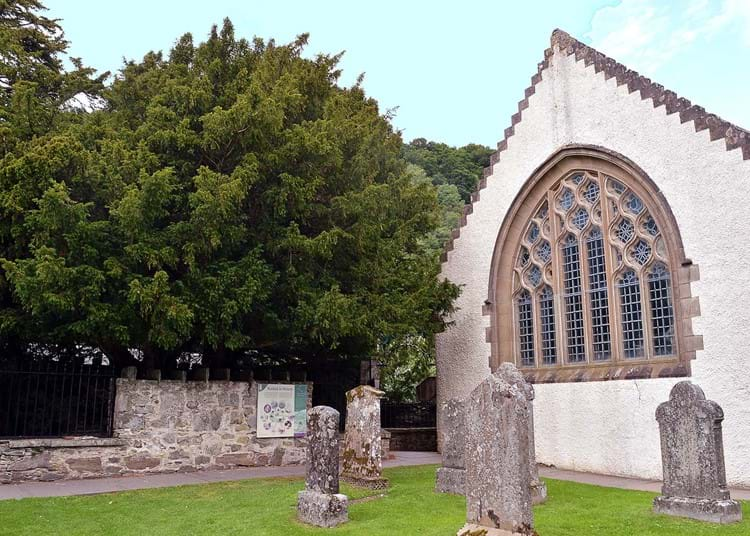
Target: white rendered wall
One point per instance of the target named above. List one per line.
(609, 427)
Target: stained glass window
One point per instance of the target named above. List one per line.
(598, 297)
(641, 252)
(523, 257)
(526, 328)
(592, 192)
(533, 233)
(625, 230)
(634, 204)
(616, 186)
(581, 218)
(566, 199)
(592, 279)
(632, 315)
(534, 277)
(662, 315)
(544, 251)
(547, 316)
(573, 303)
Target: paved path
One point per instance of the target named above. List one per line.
(123, 483)
(106, 485)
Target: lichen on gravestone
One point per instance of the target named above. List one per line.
(498, 495)
(362, 455)
(320, 504)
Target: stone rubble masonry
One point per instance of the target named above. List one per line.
(513, 376)
(362, 443)
(451, 477)
(159, 427)
(692, 453)
(321, 504)
(498, 483)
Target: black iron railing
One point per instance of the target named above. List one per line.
(50, 399)
(407, 414)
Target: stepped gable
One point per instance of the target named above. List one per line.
(734, 136)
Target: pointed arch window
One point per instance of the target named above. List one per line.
(592, 283)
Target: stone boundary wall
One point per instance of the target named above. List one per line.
(159, 427)
(414, 439)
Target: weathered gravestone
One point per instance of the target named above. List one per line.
(512, 375)
(692, 454)
(362, 443)
(451, 477)
(321, 504)
(498, 494)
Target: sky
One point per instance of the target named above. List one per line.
(454, 71)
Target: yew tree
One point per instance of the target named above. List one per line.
(229, 197)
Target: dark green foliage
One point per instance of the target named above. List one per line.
(228, 196)
(461, 167)
(454, 173)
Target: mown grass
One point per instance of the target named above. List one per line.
(267, 507)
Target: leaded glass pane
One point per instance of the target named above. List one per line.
(580, 218)
(544, 251)
(592, 192)
(649, 225)
(598, 296)
(641, 252)
(534, 277)
(573, 303)
(523, 257)
(662, 315)
(634, 204)
(625, 230)
(542, 211)
(578, 179)
(547, 314)
(526, 329)
(533, 233)
(566, 199)
(632, 315)
(616, 186)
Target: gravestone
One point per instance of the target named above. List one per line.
(320, 503)
(512, 375)
(362, 465)
(498, 484)
(451, 477)
(692, 454)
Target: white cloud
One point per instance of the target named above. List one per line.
(648, 33)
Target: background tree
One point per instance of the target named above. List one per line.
(459, 166)
(36, 93)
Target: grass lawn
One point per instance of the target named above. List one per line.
(267, 507)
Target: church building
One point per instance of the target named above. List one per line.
(601, 254)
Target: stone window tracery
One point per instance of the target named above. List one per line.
(591, 277)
